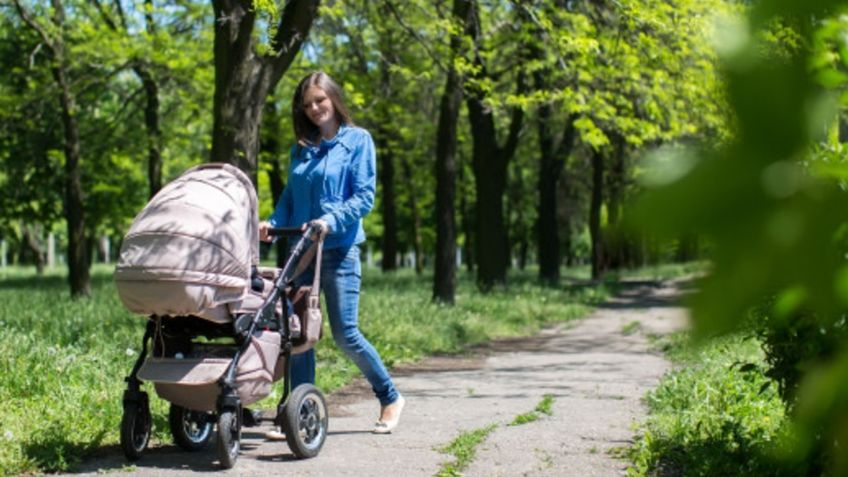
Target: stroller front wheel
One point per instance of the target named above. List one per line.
(229, 435)
(191, 430)
(135, 428)
(305, 421)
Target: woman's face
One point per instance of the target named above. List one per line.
(318, 108)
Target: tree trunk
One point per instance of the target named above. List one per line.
(78, 272)
(151, 113)
(270, 145)
(32, 238)
(388, 199)
(595, 214)
(243, 79)
(490, 163)
(617, 241)
(154, 132)
(417, 244)
(444, 279)
(552, 161)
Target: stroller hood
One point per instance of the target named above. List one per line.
(192, 246)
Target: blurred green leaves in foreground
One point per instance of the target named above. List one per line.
(773, 199)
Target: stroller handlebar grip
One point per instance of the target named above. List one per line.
(287, 231)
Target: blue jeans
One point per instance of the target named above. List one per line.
(341, 276)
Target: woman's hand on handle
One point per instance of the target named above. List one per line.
(319, 229)
(263, 231)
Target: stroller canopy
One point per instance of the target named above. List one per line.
(192, 246)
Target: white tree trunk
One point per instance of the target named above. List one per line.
(51, 250)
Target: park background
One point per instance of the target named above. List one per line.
(524, 147)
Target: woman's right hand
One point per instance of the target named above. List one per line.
(263, 231)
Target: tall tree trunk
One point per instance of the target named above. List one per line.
(151, 112)
(78, 272)
(444, 279)
(270, 146)
(388, 200)
(417, 244)
(547, 227)
(32, 238)
(154, 132)
(243, 79)
(552, 158)
(490, 161)
(617, 242)
(468, 231)
(277, 186)
(595, 214)
(386, 153)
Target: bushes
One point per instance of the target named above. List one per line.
(712, 416)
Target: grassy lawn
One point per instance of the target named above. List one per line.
(713, 415)
(62, 361)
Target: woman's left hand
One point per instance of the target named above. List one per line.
(319, 229)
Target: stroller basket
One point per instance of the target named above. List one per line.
(192, 382)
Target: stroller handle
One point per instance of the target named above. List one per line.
(288, 231)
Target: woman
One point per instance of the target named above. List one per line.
(331, 184)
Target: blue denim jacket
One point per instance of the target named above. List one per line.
(336, 181)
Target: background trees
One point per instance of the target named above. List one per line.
(487, 116)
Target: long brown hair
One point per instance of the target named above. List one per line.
(305, 130)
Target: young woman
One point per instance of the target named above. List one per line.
(331, 184)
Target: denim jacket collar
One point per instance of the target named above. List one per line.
(342, 137)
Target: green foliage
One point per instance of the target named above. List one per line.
(544, 407)
(713, 415)
(771, 204)
(794, 344)
(463, 448)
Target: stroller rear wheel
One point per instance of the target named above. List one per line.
(305, 421)
(191, 430)
(229, 435)
(135, 427)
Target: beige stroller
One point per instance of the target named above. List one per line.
(220, 328)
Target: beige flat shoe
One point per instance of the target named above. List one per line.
(386, 427)
(275, 435)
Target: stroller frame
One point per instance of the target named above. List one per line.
(301, 413)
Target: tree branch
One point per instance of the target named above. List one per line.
(517, 121)
(27, 18)
(415, 35)
(105, 15)
(295, 22)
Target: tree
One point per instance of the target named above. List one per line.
(444, 280)
(53, 38)
(490, 158)
(245, 74)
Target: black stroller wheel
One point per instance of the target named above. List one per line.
(305, 421)
(135, 429)
(229, 435)
(191, 430)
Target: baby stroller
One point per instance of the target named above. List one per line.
(220, 330)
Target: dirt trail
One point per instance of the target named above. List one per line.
(597, 369)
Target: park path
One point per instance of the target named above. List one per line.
(597, 369)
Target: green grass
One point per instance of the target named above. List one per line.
(544, 407)
(712, 415)
(631, 328)
(663, 271)
(62, 361)
(463, 449)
